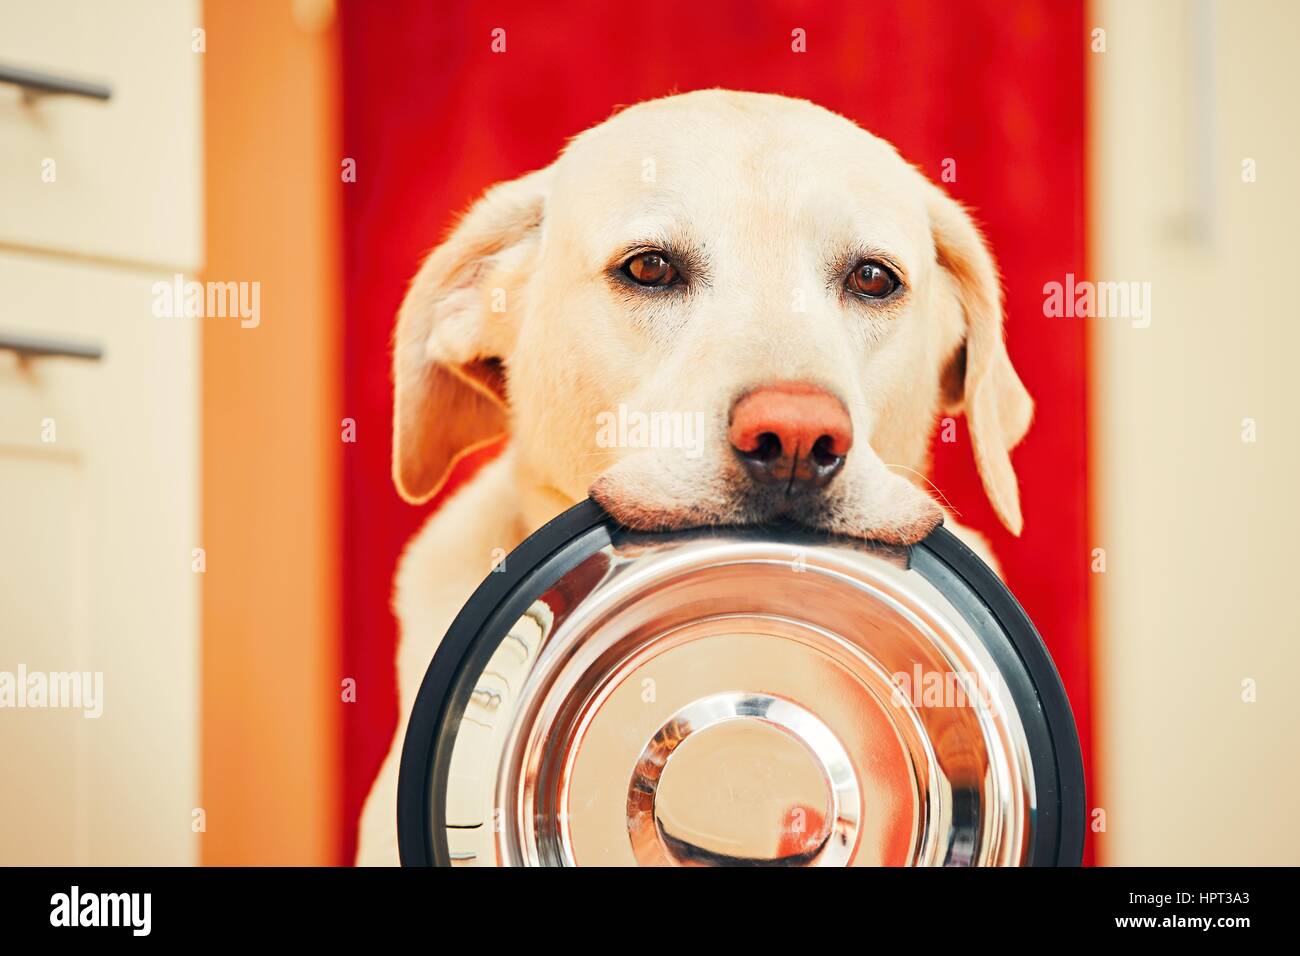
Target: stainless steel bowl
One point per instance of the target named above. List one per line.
(752, 697)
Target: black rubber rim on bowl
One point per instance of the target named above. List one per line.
(558, 547)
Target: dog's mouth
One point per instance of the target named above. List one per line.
(897, 518)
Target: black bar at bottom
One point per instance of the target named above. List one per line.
(931, 909)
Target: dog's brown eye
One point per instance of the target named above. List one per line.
(650, 268)
(871, 279)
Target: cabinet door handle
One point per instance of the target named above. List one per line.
(38, 83)
(28, 346)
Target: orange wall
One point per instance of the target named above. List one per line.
(271, 444)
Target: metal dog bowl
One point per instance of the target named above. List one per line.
(755, 697)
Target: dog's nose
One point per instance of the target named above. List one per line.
(791, 433)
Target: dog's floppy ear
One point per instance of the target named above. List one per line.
(456, 326)
(982, 381)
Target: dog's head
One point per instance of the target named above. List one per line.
(713, 308)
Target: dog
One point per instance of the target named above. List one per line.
(752, 260)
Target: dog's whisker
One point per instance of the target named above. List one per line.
(918, 474)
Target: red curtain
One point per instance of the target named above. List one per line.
(433, 116)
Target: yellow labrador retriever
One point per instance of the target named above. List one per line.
(713, 308)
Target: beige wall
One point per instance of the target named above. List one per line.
(1199, 527)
